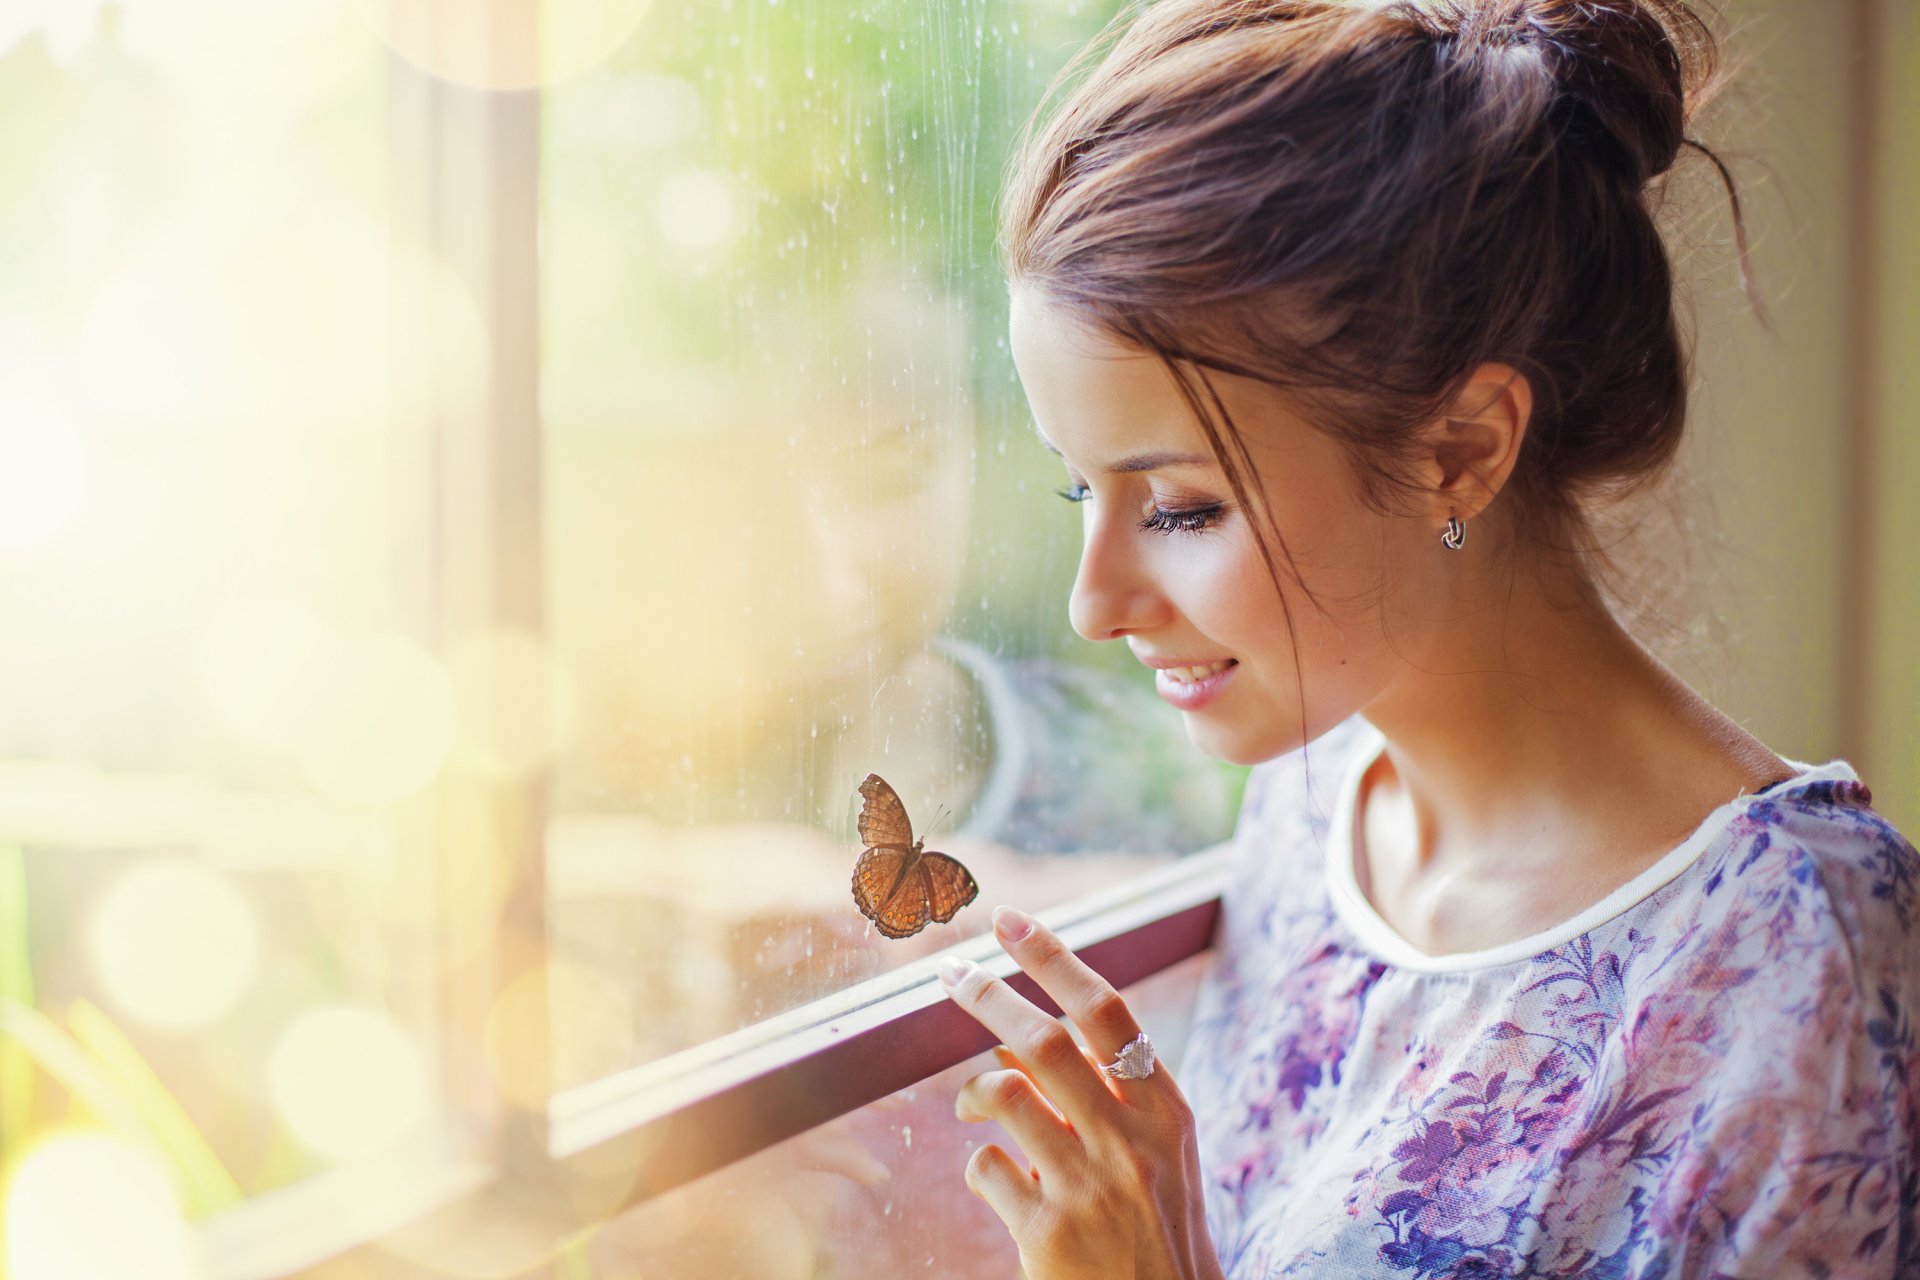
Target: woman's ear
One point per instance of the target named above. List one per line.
(1470, 450)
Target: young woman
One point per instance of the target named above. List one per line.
(1350, 321)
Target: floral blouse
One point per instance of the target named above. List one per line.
(1710, 1073)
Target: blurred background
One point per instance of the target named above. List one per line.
(481, 484)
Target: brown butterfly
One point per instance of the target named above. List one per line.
(897, 884)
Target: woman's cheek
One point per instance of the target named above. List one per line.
(1207, 581)
(1241, 579)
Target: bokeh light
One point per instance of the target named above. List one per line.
(160, 341)
(347, 1082)
(382, 723)
(86, 1204)
(174, 945)
(697, 209)
(601, 1037)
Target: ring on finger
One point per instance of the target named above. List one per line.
(1134, 1061)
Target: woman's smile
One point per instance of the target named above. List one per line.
(1189, 683)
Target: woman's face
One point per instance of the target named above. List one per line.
(1170, 563)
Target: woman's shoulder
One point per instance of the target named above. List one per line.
(1796, 927)
(1815, 846)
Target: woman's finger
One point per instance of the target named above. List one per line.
(1096, 1008)
(1012, 1192)
(1011, 1098)
(1045, 1046)
(1007, 1058)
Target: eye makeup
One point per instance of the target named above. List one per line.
(1189, 520)
(1192, 520)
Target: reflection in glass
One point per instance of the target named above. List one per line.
(798, 527)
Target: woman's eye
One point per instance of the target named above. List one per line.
(1192, 520)
(1075, 493)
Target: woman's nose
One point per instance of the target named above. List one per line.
(1113, 593)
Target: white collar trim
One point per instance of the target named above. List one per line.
(1379, 937)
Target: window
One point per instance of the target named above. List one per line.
(797, 526)
(798, 530)
(463, 548)
(467, 524)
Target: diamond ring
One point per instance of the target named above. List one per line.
(1134, 1062)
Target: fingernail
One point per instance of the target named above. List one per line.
(1013, 925)
(953, 968)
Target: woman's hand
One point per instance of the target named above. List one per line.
(1114, 1188)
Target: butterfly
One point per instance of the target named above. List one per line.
(896, 883)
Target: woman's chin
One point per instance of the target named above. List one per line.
(1229, 742)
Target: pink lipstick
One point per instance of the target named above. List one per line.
(1189, 694)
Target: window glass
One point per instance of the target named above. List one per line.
(799, 528)
(217, 715)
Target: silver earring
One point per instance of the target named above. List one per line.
(1455, 535)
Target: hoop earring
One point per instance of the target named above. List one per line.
(1455, 535)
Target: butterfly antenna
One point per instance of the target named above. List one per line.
(939, 813)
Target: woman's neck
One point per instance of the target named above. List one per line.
(1536, 731)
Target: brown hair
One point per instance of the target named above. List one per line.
(1360, 202)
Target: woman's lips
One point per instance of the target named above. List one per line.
(1191, 695)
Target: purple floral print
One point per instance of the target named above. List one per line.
(1714, 1077)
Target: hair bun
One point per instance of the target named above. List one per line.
(1634, 70)
(1627, 74)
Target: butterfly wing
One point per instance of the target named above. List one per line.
(888, 894)
(883, 819)
(949, 886)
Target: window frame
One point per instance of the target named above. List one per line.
(698, 1110)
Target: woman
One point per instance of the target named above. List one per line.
(1350, 323)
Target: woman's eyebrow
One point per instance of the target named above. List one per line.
(1161, 458)
(1151, 461)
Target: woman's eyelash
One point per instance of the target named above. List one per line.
(1192, 521)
